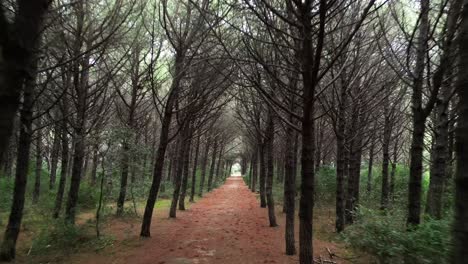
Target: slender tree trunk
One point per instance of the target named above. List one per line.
(63, 171)
(218, 166)
(163, 142)
(270, 138)
(38, 169)
(54, 156)
(254, 170)
(393, 171)
(263, 172)
(385, 194)
(186, 170)
(178, 175)
(213, 163)
(203, 167)
(371, 164)
(194, 171)
(123, 177)
(290, 191)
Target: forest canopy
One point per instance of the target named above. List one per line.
(353, 111)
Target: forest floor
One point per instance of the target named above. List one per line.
(226, 226)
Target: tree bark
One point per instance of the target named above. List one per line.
(419, 121)
(460, 228)
(290, 191)
(194, 171)
(213, 163)
(63, 170)
(270, 138)
(203, 167)
(18, 51)
(123, 177)
(163, 142)
(186, 170)
(263, 172)
(54, 156)
(38, 168)
(8, 246)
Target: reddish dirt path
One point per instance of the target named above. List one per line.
(226, 226)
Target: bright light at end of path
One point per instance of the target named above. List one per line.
(236, 170)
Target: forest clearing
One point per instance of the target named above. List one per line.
(234, 131)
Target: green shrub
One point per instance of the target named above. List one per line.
(65, 237)
(385, 237)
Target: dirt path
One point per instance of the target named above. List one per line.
(226, 226)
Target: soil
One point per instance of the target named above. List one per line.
(226, 226)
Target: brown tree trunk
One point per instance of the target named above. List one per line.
(203, 167)
(18, 51)
(8, 246)
(460, 228)
(179, 173)
(290, 191)
(194, 171)
(254, 171)
(38, 168)
(186, 170)
(263, 172)
(270, 138)
(213, 163)
(371, 164)
(63, 170)
(387, 134)
(161, 153)
(123, 177)
(54, 156)
(419, 121)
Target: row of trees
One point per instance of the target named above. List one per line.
(381, 78)
(324, 82)
(94, 82)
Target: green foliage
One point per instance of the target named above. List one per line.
(64, 237)
(385, 237)
(88, 196)
(325, 185)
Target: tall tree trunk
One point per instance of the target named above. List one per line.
(263, 172)
(419, 121)
(220, 159)
(387, 134)
(123, 177)
(54, 156)
(213, 163)
(63, 170)
(254, 170)
(371, 164)
(460, 228)
(163, 142)
(38, 169)
(8, 246)
(18, 53)
(290, 190)
(393, 171)
(179, 173)
(187, 157)
(194, 171)
(203, 167)
(270, 138)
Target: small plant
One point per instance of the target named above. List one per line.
(65, 237)
(385, 237)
